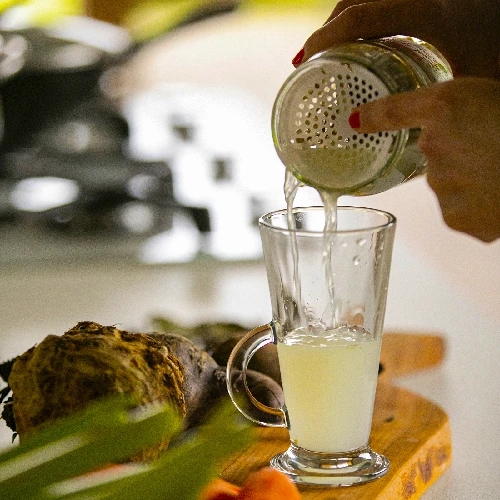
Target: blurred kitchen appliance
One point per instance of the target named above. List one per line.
(161, 178)
(70, 178)
(64, 171)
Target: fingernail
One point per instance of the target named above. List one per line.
(298, 58)
(354, 120)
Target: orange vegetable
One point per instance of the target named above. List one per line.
(265, 484)
(218, 489)
(268, 484)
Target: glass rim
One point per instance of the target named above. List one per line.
(264, 221)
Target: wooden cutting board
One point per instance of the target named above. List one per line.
(412, 432)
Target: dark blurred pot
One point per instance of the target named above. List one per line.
(60, 69)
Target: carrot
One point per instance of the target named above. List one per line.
(218, 489)
(268, 484)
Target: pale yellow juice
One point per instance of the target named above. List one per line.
(329, 382)
(337, 169)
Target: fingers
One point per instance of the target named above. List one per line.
(414, 109)
(459, 123)
(343, 5)
(458, 210)
(367, 19)
(442, 106)
(464, 215)
(467, 197)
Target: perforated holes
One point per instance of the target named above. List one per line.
(329, 98)
(325, 105)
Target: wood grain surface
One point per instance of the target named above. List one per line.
(412, 432)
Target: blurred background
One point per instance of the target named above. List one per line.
(135, 159)
(138, 133)
(140, 130)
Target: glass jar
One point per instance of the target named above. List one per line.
(310, 127)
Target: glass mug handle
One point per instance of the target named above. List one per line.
(236, 375)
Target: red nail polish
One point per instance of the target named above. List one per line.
(354, 120)
(298, 58)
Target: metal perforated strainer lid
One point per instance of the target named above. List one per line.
(311, 131)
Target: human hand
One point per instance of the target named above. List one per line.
(460, 122)
(465, 32)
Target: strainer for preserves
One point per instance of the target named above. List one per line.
(310, 124)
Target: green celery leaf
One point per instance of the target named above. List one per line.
(184, 470)
(106, 432)
(180, 474)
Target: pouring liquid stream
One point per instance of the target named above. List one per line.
(329, 320)
(292, 185)
(331, 315)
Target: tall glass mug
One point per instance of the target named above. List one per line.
(328, 293)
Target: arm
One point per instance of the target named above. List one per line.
(466, 32)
